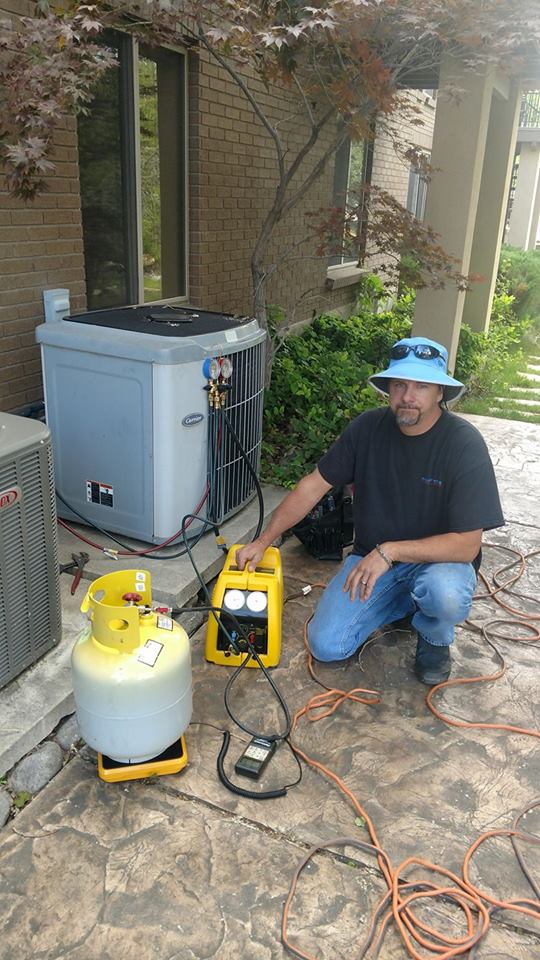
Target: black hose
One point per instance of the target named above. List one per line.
(251, 470)
(129, 550)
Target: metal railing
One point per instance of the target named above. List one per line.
(530, 110)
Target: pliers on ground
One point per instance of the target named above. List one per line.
(77, 565)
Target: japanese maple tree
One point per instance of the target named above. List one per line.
(345, 64)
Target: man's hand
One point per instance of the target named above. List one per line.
(251, 554)
(363, 577)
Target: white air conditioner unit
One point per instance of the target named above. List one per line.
(127, 404)
(30, 613)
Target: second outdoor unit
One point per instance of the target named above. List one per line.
(30, 616)
(127, 404)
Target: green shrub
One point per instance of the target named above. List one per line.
(319, 384)
(519, 276)
(319, 378)
(482, 358)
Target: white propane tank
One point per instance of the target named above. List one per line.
(131, 671)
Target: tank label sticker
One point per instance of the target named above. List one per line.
(150, 652)
(101, 493)
(165, 623)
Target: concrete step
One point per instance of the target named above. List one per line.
(527, 416)
(523, 390)
(516, 402)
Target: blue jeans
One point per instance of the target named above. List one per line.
(439, 596)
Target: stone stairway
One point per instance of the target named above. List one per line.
(521, 402)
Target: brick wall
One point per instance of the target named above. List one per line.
(232, 178)
(391, 171)
(40, 248)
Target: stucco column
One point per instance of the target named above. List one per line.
(523, 224)
(459, 140)
(491, 212)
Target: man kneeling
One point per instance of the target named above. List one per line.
(424, 490)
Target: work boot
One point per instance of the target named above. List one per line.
(433, 663)
(405, 623)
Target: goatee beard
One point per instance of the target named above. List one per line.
(407, 417)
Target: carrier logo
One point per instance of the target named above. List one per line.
(192, 418)
(10, 497)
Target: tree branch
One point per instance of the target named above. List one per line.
(315, 173)
(306, 102)
(249, 96)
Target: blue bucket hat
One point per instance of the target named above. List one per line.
(417, 358)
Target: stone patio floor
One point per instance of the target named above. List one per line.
(178, 868)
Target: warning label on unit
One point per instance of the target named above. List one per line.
(150, 652)
(164, 623)
(102, 493)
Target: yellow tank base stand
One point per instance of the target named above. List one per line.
(172, 760)
(255, 600)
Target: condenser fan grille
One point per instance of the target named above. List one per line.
(245, 410)
(29, 582)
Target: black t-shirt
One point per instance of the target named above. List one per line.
(411, 487)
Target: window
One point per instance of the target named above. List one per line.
(352, 168)
(132, 172)
(416, 195)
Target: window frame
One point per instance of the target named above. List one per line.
(342, 169)
(129, 50)
(417, 189)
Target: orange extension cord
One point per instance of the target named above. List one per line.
(396, 906)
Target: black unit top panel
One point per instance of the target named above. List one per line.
(162, 320)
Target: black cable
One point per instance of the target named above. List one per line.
(214, 726)
(213, 509)
(211, 461)
(91, 523)
(206, 524)
(129, 550)
(254, 733)
(215, 497)
(251, 652)
(215, 611)
(251, 470)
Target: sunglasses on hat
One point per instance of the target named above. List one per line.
(424, 351)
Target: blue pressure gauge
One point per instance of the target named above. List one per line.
(211, 368)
